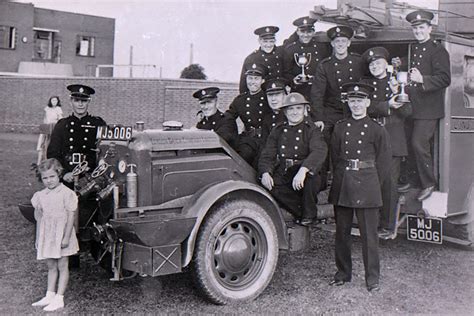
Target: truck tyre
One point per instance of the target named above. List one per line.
(236, 252)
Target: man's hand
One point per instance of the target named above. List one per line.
(396, 62)
(298, 180)
(68, 177)
(415, 75)
(64, 242)
(267, 181)
(394, 104)
(394, 85)
(297, 79)
(320, 125)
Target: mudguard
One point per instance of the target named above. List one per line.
(200, 203)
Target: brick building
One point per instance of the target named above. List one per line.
(49, 42)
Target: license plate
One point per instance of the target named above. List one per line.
(427, 229)
(114, 132)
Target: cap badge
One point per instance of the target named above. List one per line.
(418, 17)
(356, 88)
(293, 99)
(267, 29)
(254, 66)
(371, 53)
(274, 85)
(81, 90)
(305, 21)
(203, 92)
(338, 30)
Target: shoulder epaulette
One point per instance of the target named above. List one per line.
(377, 122)
(342, 120)
(354, 54)
(325, 60)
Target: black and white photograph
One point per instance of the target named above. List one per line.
(307, 157)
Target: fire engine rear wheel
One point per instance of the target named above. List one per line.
(236, 252)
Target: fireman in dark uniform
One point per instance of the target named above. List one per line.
(341, 67)
(213, 119)
(360, 152)
(275, 89)
(391, 114)
(291, 159)
(73, 139)
(268, 55)
(251, 107)
(430, 75)
(305, 48)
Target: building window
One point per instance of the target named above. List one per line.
(85, 46)
(43, 45)
(7, 37)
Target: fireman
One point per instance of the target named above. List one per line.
(213, 119)
(290, 161)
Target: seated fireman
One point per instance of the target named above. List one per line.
(275, 89)
(251, 107)
(289, 163)
(213, 119)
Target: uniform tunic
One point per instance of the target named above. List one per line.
(51, 213)
(366, 140)
(358, 191)
(75, 135)
(330, 75)
(432, 60)
(318, 51)
(223, 124)
(304, 146)
(271, 120)
(251, 109)
(272, 62)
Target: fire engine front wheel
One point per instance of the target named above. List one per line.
(236, 252)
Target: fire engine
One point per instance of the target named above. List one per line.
(163, 200)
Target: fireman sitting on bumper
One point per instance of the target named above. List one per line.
(291, 159)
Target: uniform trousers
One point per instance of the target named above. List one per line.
(367, 219)
(423, 133)
(301, 203)
(390, 196)
(248, 148)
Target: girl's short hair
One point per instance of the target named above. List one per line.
(48, 164)
(54, 97)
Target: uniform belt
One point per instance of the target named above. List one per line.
(288, 163)
(254, 132)
(356, 164)
(76, 158)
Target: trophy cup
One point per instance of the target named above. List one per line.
(402, 78)
(302, 61)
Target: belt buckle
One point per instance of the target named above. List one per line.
(76, 158)
(354, 164)
(289, 163)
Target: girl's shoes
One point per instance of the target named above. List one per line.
(56, 303)
(45, 300)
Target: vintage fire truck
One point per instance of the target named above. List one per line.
(161, 201)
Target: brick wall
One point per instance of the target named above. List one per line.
(117, 100)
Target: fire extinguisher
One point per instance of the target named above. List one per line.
(132, 187)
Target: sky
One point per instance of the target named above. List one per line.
(162, 31)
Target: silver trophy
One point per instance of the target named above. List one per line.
(402, 78)
(303, 60)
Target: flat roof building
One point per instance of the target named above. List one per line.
(50, 42)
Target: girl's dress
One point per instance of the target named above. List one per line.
(51, 212)
(51, 116)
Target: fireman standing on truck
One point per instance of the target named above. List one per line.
(268, 55)
(391, 114)
(360, 152)
(429, 76)
(213, 119)
(290, 161)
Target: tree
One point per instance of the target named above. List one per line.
(193, 71)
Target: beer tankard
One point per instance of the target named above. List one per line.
(402, 78)
(302, 61)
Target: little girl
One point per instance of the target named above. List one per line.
(53, 113)
(55, 236)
